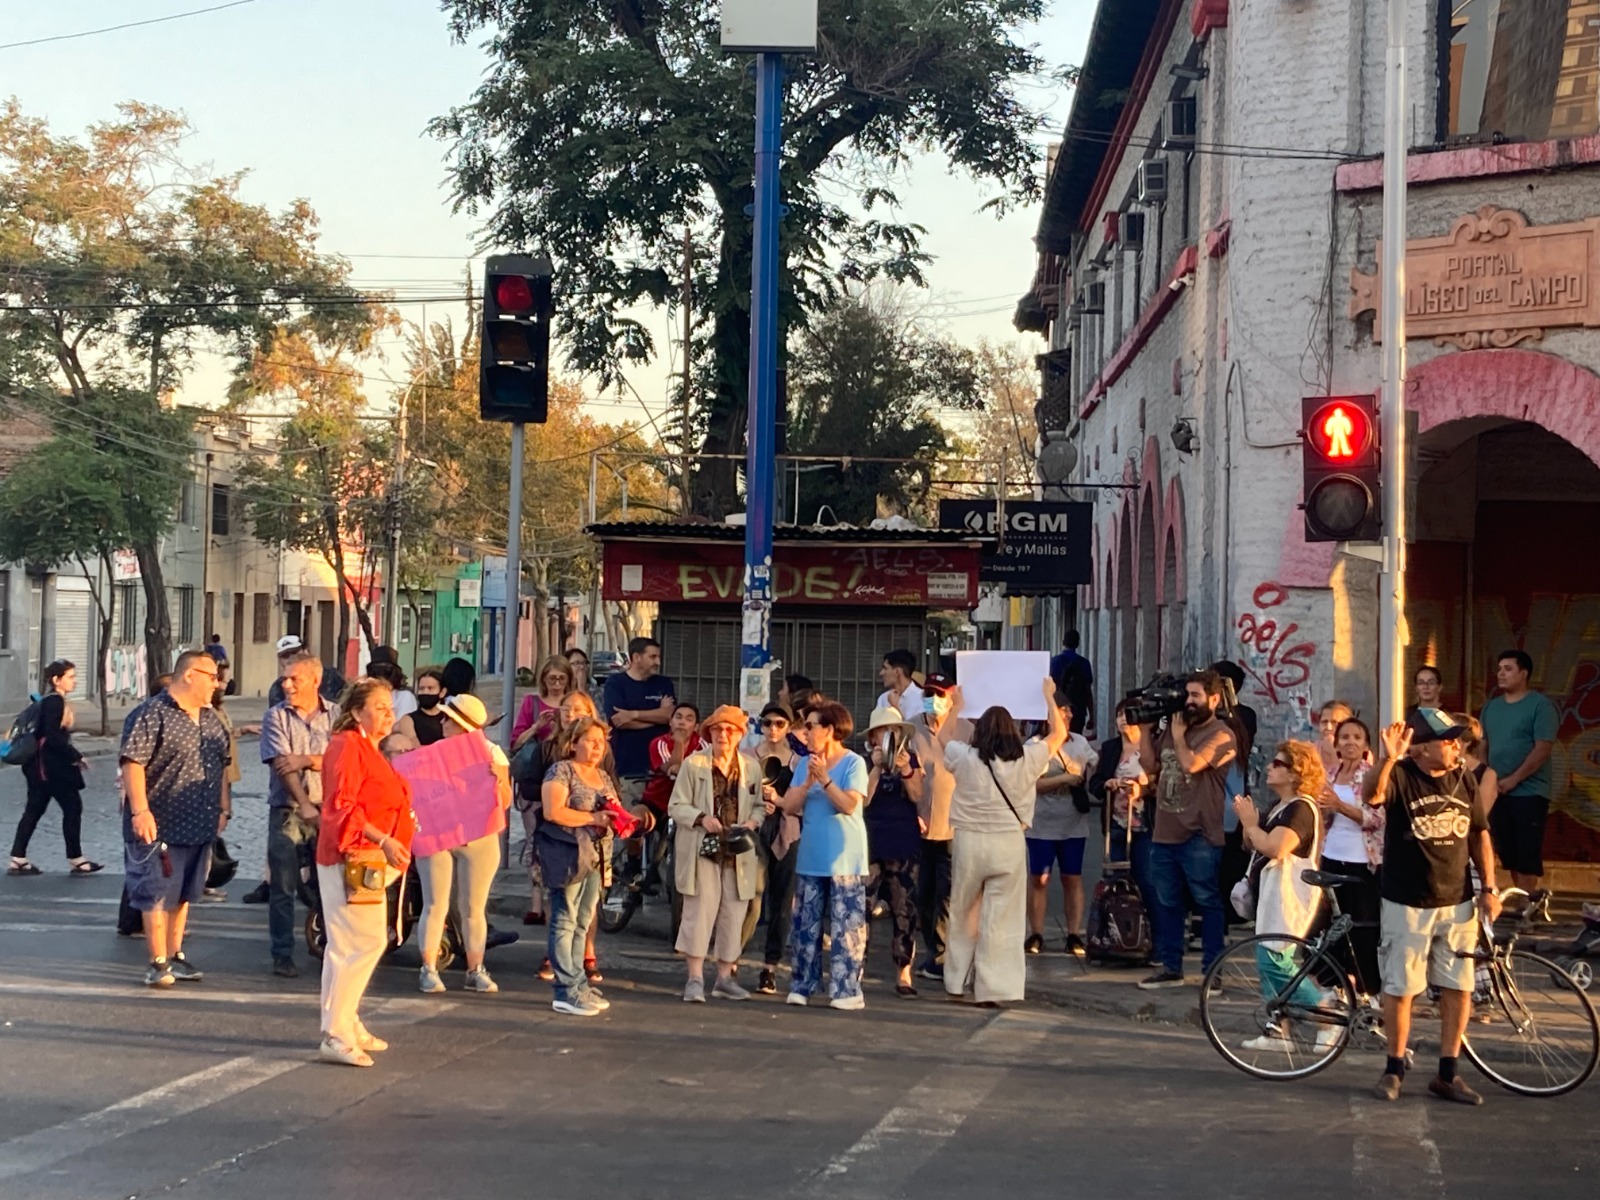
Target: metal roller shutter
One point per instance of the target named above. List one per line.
(74, 635)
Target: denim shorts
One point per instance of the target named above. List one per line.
(152, 890)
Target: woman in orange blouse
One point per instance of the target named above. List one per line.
(363, 802)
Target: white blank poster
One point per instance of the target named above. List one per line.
(1013, 679)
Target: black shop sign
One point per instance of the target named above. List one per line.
(1045, 547)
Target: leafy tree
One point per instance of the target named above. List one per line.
(1005, 430)
(77, 498)
(118, 266)
(865, 382)
(603, 131)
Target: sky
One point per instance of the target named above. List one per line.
(329, 99)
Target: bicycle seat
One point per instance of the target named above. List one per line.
(1326, 879)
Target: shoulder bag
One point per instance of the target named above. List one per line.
(1001, 787)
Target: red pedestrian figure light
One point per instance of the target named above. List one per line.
(1337, 430)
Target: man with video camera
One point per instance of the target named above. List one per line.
(1188, 766)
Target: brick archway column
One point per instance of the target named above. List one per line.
(1519, 385)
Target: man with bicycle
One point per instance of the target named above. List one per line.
(1435, 824)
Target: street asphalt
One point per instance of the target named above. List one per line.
(1096, 1090)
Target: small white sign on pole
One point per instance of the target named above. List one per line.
(1013, 679)
(786, 26)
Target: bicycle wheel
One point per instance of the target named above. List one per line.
(1268, 1007)
(1542, 1037)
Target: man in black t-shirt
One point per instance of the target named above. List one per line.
(1435, 825)
(638, 702)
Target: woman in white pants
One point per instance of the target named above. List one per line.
(364, 803)
(470, 867)
(990, 814)
(718, 789)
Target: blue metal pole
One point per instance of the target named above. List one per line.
(761, 469)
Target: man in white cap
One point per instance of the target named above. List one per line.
(333, 683)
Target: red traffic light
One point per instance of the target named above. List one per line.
(513, 295)
(1340, 431)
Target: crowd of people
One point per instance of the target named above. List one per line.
(951, 824)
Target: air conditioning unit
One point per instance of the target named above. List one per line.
(1152, 181)
(1182, 117)
(1075, 315)
(1133, 229)
(1094, 300)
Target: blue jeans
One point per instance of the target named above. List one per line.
(286, 854)
(1193, 864)
(572, 910)
(840, 903)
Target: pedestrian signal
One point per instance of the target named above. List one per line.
(1341, 468)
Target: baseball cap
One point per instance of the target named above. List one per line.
(288, 644)
(1432, 725)
(937, 683)
(466, 711)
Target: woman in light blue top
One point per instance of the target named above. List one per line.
(829, 793)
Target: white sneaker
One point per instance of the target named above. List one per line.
(797, 999)
(593, 998)
(428, 980)
(1327, 1037)
(849, 1003)
(575, 1008)
(1270, 1041)
(477, 981)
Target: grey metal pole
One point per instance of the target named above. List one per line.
(1392, 635)
(391, 599)
(508, 668)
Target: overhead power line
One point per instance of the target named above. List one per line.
(67, 37)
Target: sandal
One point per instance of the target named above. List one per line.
(533, 918)
(905, 991)
(84, 867)
(591, 968)
(21, 866)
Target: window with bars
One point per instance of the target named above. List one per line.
(424, 626)
(5, 610)
(261, 618)
(127, 596)
(186, 613)
(221, 509)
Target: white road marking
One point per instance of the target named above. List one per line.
(201, 931)
(407, 1011)
(46, 1147)
(913, 1131)
(1386, 1159)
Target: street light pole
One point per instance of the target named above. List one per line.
(761, 435)
(1392, 634)
(391, 600)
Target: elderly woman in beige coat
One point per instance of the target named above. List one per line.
(718, 793)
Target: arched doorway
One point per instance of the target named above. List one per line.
(1127, 615)
(1150, 658)
(1503, 556)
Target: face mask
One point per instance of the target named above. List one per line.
(935, 705)
(429, 703)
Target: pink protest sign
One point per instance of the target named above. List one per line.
(454, 792)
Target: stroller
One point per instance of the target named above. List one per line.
(1574, 957)
(404, 911)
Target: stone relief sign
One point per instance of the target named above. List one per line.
(1493, 281)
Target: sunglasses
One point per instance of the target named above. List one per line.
(773, 723)
(814, 725)
(1278, 762)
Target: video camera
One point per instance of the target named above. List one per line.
(1167, 694)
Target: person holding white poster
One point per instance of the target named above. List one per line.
(993, 808)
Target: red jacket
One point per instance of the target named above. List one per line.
(658, 790)
(359, 788)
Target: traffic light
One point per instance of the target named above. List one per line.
(514, 352)
(1340, 458)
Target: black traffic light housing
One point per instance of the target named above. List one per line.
(1342, 465)
(514, 351)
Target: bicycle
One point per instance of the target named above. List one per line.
(1280, 1007)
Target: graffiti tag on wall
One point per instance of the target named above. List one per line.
(1275, 662)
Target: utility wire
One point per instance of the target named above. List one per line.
(67, 37)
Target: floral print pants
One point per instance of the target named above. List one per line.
(842, 901)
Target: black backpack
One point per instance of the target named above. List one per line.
(22, 743)
(1119, 928)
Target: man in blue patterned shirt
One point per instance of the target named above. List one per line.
(174, 754)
